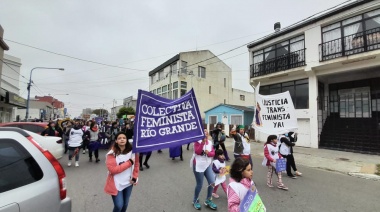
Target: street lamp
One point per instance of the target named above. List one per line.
(30, 84)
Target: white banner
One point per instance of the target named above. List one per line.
(275, 114)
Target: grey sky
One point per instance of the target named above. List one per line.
(133, 34)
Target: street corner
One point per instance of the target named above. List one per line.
(368, 169)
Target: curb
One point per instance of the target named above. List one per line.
(351, 168)
(365, 176)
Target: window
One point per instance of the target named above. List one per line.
(183, 67)
(154, 91)
(236, 119)
(183, 88)
(350, 36)
(175, 94)
(165, 91)
(183, 84)
(159, 91)
(183, 92)
(284, 55)
(201, 72)
(17, 167)
(155, 77)
(299, 91)
(212, 119)
(173, 68)
(242, 97)
(151, 79)
(175, 90)
(161, 75)
(209, 89)
(224, 102)
(33, 128)
(225, 82)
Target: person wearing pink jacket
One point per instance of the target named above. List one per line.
(201, 164)
(123, 171)
(240, 182)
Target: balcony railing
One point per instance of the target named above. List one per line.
(352, 44)
(280, 63)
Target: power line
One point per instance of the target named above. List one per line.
(13, 78)
(18, 73)
(72, 57)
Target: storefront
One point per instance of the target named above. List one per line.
(9, 103)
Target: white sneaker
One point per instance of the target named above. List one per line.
(76, 163)
(298, 173)
(69, 163)
(84, 152)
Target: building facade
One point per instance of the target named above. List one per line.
(10, 89)
(130, 102)
(38, 110)
(114, 111)
(229, 115)
(210, 79)
(330, 65)
(58, 106)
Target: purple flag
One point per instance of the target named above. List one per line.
(163, 123)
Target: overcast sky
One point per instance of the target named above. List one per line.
(133, 34)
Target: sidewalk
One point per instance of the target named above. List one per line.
(354, 164)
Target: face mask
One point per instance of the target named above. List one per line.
(287, 135)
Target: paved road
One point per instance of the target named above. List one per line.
(168, 186)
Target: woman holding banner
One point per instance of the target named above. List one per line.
(201, 164)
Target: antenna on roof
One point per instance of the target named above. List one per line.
(277, 27)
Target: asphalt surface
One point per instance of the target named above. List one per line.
(168, 186)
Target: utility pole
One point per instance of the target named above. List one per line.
(113, 109)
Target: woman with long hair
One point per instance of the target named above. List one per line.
(93, 135)
(123, 171)
(204, 153)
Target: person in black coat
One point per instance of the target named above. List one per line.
(51, 130)
(286, 150)
(218, 139)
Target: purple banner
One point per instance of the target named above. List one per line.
(163, 123)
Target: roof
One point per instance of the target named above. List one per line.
(165, 64)
(237, 107)
(312, 19)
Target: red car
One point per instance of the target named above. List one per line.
(36, 127)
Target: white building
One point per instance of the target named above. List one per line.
(130, 102)
(330, 64)
(10, 87)
(37, 110)
(114, 111)
(210, 79)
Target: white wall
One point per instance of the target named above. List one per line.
(332, 71)
(216, 73)
(11, 78)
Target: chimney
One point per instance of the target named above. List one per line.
(277, 27)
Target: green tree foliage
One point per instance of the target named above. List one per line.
(125, 111)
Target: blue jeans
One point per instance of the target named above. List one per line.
(120, 201)
(199, 176)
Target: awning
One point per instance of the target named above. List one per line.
(14, 99)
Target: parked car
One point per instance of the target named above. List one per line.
(36, 127)
(31, 178)
(52, 143)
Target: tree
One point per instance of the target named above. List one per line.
(100, 112)
(125, 111)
